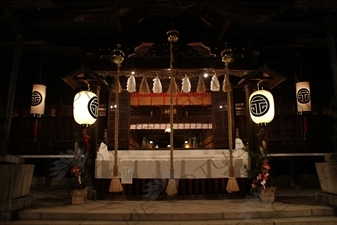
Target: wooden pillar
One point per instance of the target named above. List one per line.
(11, 95)
(252, 139)
(333, 59)
(92, 131)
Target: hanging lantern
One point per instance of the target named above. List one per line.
(261, 107)
(85, 108)
(303, 97)
(38, 100)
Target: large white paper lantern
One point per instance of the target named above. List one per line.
(303, 97)
(38, 100)
(261, 107)
(85, 108)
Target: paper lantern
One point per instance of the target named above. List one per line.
(38, 100)
(261, 107)
(303, 97)
(85, 108)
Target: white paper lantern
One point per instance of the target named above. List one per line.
(85, 108)
(38, 100)
(303, 97)
(261, 107)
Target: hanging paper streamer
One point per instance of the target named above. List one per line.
(201, 88)
(175, 89)
(226, 84)
(215, 85)
(131, 84)
(186, 85)
(144, 87)
(305, 128)
(157, 87)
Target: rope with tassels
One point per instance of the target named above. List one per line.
(232, 185)
(115, 185)
(230, 120)
(171, 187)
(171, 110)
(116, 121)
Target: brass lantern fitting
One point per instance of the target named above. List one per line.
(117, 55)
(172, 35)
(227, 55)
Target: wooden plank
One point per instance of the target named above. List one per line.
(216, 186)
(203, 186)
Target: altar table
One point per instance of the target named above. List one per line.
(188, 164)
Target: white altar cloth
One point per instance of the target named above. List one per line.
(188, 164)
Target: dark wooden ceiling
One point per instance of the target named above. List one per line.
(67, 34)
(70, 33)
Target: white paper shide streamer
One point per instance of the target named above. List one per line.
(157, 87)
(131, 84)
(215, 85)
(186, 85)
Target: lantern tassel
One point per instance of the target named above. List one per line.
(131, 84)
(157, 87)
(232, 185)
(36, 126)
(144, 87)
(215, 85)
(171, 188)
(186, 85)
(305, 127)
(115, 184)
(201, 88)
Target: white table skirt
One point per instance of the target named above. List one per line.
(188, 164)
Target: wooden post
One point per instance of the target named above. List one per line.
(252, 140)
(93, 133)
(333, 59)
(11, 95)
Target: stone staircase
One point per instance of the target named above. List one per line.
(285, 210)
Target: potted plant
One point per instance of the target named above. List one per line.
(260, 172)
(75, 165)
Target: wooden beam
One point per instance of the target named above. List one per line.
(164, 99)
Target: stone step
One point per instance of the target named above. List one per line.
(328, 220)
(180, 210)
